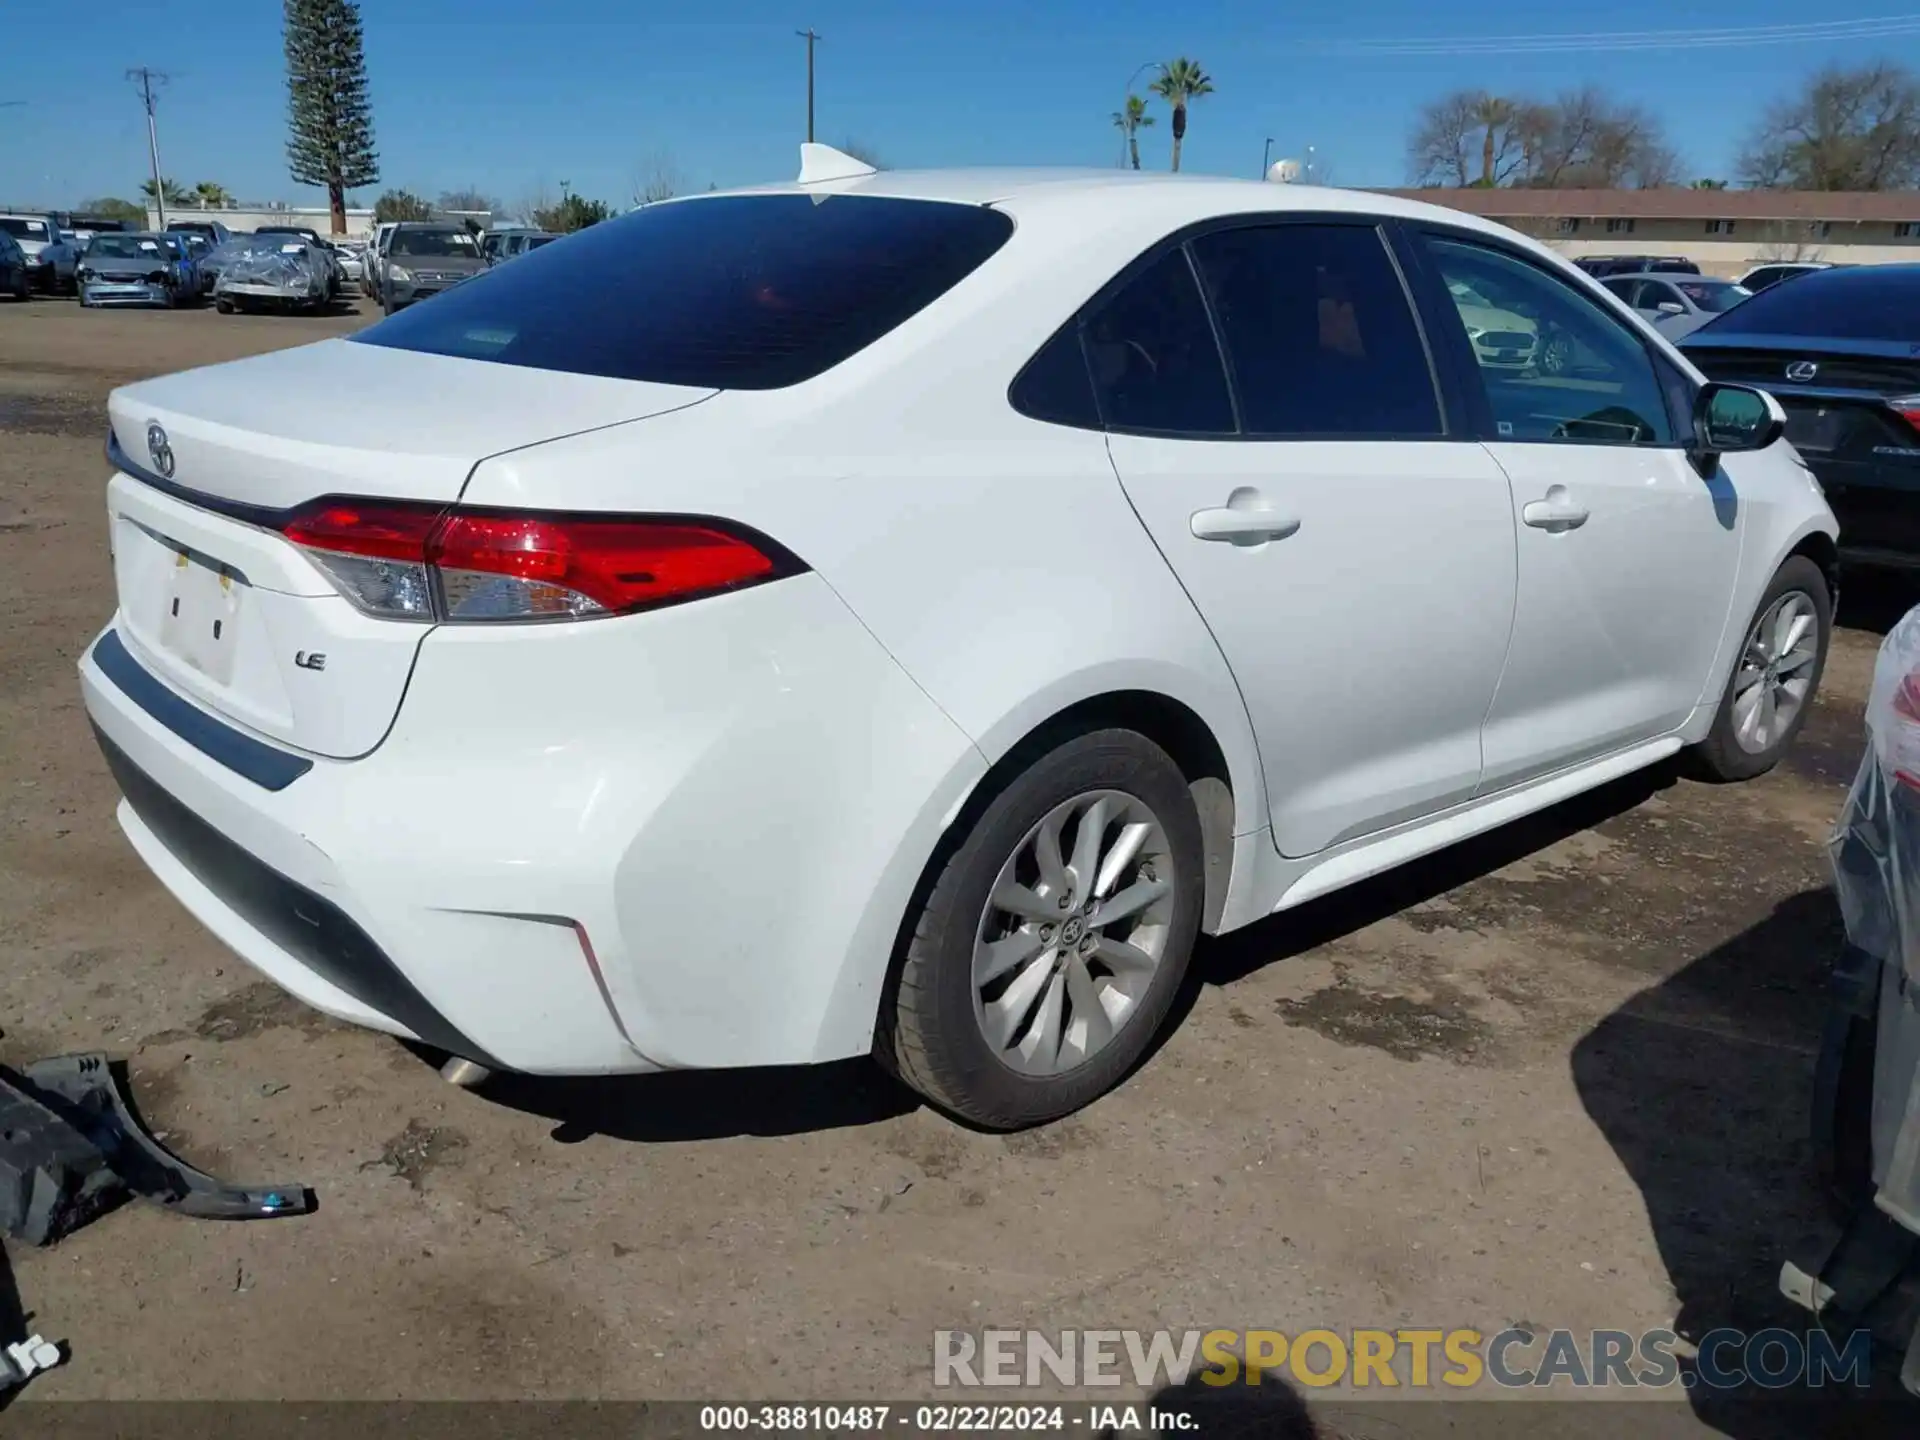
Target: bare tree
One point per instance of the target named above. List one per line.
(1587, 141)
(1855, 129)
(1464, 138)
(658, 178)
(1788, 240)
(1581, 139)
(537, 201)
(862, 152)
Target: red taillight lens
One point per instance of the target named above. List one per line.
(1906, 709)
(1908, 408)
(416, 562)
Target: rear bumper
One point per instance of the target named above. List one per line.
(671, 840)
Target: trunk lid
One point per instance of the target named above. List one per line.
(221, 606)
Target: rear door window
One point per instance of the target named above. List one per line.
(1156, 367)
(748, 292)
(1320, 332)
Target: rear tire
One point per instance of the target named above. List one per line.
(1066, 995)
(1753, 728)
(223, 305)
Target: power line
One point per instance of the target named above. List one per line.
(147, 79)
(1872, 28)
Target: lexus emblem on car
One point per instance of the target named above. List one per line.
(1802, 370)
(158, 450)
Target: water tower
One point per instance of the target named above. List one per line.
(1284, 172)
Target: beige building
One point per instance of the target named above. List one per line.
(1726, 232)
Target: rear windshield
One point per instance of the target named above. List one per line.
(1868, 302)
(25, 229)
(433, 242)
(747, 292)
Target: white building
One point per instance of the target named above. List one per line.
(315, 217)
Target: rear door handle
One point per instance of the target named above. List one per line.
(1559, 511)
(1243, 520)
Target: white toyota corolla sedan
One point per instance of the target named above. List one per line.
(898, 613)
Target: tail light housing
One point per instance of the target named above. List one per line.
(1908, 409)
(446, 565)
(1906, 709)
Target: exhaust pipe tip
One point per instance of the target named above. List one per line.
(464, 1073)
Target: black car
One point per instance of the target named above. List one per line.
(1603, 265)
(13, 269)
(1840, 350)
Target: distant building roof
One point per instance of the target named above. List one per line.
(1521, 203)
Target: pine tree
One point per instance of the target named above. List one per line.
(329, 119)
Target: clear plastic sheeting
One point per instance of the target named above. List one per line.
(273, 266)
(1876, 864)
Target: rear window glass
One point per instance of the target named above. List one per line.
(748, 292)
(1872, 302)
(442, 243)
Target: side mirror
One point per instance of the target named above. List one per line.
(1671, 307)
(1728, 419)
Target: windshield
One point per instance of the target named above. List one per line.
(537, 241)
(25, 229)
(124, 247)
(1867, 302)
(433, 242)
(1714, 298)
(746, 292)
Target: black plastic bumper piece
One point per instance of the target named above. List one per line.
(265, 766)
(316, 932)
(73, 1148)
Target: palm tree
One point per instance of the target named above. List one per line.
(1181, 82)
(1491, 113)
(171, 191)
(1129, 122)
(212, 196)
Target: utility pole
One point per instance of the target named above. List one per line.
(809, 36)
(147, 79)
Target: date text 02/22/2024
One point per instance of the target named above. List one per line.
(941, 1419)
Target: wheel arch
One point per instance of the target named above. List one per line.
(1172, 724)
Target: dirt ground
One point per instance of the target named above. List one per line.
(1558, 1077)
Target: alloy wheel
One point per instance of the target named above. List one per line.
(1776, 672)
(1073, 932)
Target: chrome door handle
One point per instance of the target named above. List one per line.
(1241, 525)
(1559, 511)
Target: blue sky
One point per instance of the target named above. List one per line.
(514, 96)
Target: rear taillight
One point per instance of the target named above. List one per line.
(419, 562)
(1908, 408)
(1906, 709)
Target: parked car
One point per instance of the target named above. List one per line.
(337, 275)
(351, 258)
(274, 271)
(1600, 266)
(1762, 276)
(1502, 339)
(376, 256)
(1677, 305)
(13, 269)
(136, 269)
(213, 230)
(498, 245)
(424, 258)
(51, 261)
(1840, 350)
(765, 631)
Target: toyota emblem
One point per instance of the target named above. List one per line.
(158, 450)
(1802, 370)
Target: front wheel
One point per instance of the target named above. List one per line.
(1775, 677)
(1051, 944)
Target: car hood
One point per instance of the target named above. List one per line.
(440, 264)
(1486, 317)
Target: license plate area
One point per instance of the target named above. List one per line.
(200, 612)
(1814, 428)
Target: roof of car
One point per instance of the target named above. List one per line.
(1177, 199)
(1673, 277)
